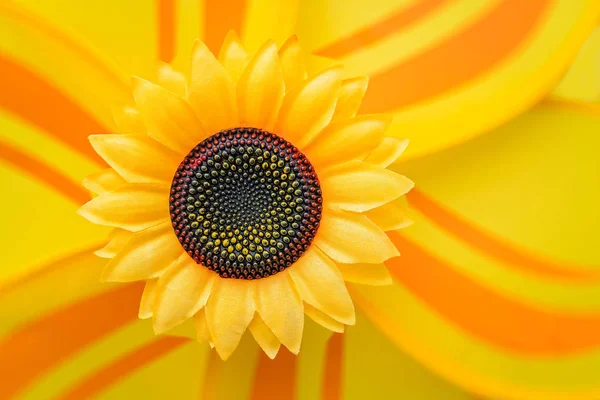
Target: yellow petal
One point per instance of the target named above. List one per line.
(366, 274)
(146, 255)
(358, 186)
(133, 206)
(129, 121)
(347, 140)
(117, 240)
(307, 109)
(391, 216)
(201, 325)
(321, 285)
(103, 181)
(261, 88)
(233, 55)
(211, 91)
(229, 310)
(351, 94)
(388, 151)
(353, 238)
(168, 117)
(183, 289)
(281, 309)
(148, 299)
(264, 337)
(171, 79)
(292, 63)
(323, 319)
(136, 158)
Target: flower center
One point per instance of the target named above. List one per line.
(245, 203)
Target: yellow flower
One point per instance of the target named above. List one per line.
(247, 196)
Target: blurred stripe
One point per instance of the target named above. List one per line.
(166, 29)
(334, 361)
(211, 377)
(455, 55)
(50, 340)
(221, 16)
(55, 113)
(275, 379)
(122, 367)
(482, 241)
(380, 29)
(469, 305)
(44, 173)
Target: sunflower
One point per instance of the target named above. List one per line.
(247, 194)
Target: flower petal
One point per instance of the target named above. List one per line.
(366, 274)
(388, 151)
(351, 94)
(307, 109)
(359, 186)
(183, 289)
(146, 255)
(117, 240)
(347, 140)
(201, 325)
(391, 216)
(133, 206)
(323, 319)
(264, 337)
(292, 63)
(168, 117)
(129, 121)
(103, 181)
(281, 309)
(320, 284)
(233, 55)
(171, 79)
(261, 89)
(229, 310)
(211, 91)
(353, 238)
(136, 158)
(148, 299)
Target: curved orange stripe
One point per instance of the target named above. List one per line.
(35, 100)
(379, 30)
(494, 247)
(51, 339)
(489, 316)
(221, 16)
(44, 173)
(48, 30)
(166, 30)
(275, 379)
(121, 368)
(332, 377)
(461, 58)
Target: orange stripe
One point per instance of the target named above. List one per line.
(36, 101)
(52, 339)
(44, 173)
(121, 368)
(492, 246)
(462, 58)
(166, 30)
(221, 16)
(211, 377)
(275, 379)
(379, 30)
(332, 377)
(491, 317)
(39, 24)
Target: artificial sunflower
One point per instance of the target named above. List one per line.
(246, 194)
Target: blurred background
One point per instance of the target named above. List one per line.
(497, 292)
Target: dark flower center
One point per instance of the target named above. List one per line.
(245, 203)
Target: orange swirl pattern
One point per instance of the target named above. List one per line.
(527, 337)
